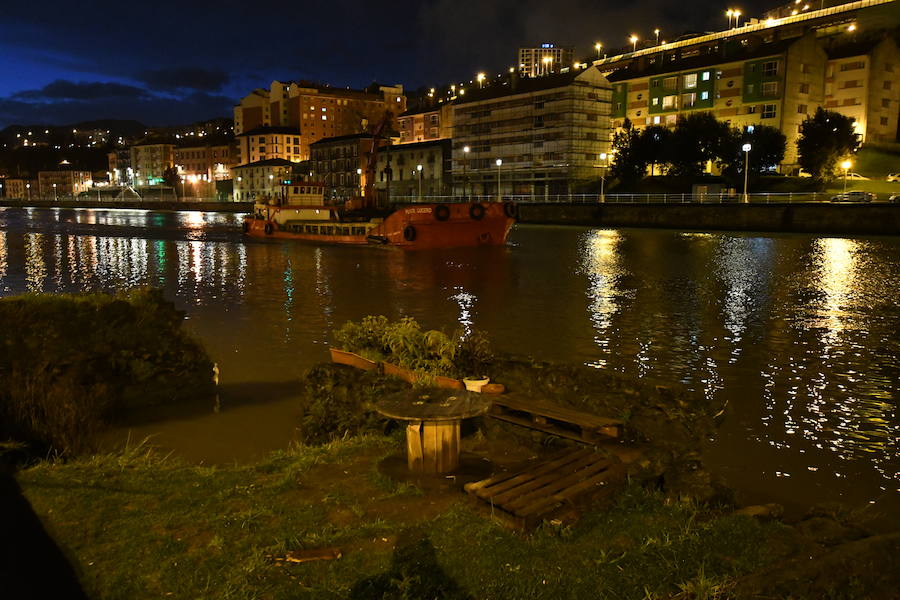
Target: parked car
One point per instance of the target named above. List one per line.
(802, 173)
(857, 177)
(893, 177)
(895, 199)
(854, 196)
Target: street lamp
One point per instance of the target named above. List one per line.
(465, 169)
(55, 197)
(419, 169)
(499, 163)
(737, 18)
(480, 78)
(730, 14)
(846, 166)
(359, 181)
(598, 46)
(603, 157)
(746, 149)
(634, 40)
(547, 67)
(28, 188)
(656, 31)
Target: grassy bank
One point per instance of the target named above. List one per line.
(141, 526)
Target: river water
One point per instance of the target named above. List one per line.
(798, 334)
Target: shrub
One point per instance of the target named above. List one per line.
(72, 363)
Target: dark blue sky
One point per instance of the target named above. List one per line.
(170, 62)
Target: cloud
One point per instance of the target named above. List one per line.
(184, 78)
(70, 90)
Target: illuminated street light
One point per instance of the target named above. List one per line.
(846, 166)
(598, 47)
(465, 169)
(730, 14)
(603, 157)
(852, 27)
(746, 148)
(737, 18)
(634, 40)
(480, 78)
(547, 60)
(499, 163)
(419, 169)
(656, 31)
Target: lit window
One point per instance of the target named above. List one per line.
(768, 111)
(704, 95)
(324, 118)
(690, 81)
(706, 75)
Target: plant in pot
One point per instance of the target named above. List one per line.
(472, 357)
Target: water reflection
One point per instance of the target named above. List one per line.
(797, 333)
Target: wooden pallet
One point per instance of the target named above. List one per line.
(554, 489)
(556, 420)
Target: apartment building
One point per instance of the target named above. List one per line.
(312, 112)
(149, 160)
(398, 174)
(207, 162)
(860, 82)
(340, 163)
(543, 60)
(423, 125)
(774, 72)
(548, 133)
(744, 82)
(63, 183)
(20, 188)
(262, 179)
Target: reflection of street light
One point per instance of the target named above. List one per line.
(634, 40)
(746, 149)
(499, 163)
(419, 169)
(603, 157)
(846, 166)
(465, 169)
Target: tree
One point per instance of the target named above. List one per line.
(696, 140)
(825, 139)
(628, 163)
(654, 145)
(768, 146)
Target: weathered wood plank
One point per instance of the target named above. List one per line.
(511, 402)
(527, 475)
(501, 477)
(521, 505)
(538, 482)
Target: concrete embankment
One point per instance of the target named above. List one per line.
(854, 219)
(235, 207)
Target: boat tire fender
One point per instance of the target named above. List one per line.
(441, 212)
(268, 229)
(511, 210)
(409, 233)
(476, 211)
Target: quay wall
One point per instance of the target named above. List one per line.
(854, 219)
(235, 207)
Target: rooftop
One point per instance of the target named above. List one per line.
(265, 130)
(270, 162)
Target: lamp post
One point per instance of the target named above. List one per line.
(603, 157)
(55, 197)
(846, 166)
(746, 149)
(634, 40)
(737, 18)
(419, 169)
(730, 14)
(480, 78)
(28, 189)
(656, 31)
(598, 47)
(465, 171)
(499, 164)
(359, 181)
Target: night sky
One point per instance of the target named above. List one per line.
(176, 62)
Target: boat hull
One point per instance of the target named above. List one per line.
(416, 227)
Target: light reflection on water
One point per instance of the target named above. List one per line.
(796, 334)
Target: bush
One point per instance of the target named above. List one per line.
(71, 364)
(404, 343)
(339, 402)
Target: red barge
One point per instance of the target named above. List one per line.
(303, 216)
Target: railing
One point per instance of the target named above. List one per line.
(94, 199)
(761, 198)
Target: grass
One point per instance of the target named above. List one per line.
(142, 525)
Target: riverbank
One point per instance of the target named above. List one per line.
(841, 219)
(227, 207)
(141, 525)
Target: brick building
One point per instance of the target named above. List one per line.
(398, 175)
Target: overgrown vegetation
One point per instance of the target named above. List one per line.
(825, 138)
(406, 344)
(71, 364)
(140, 526)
